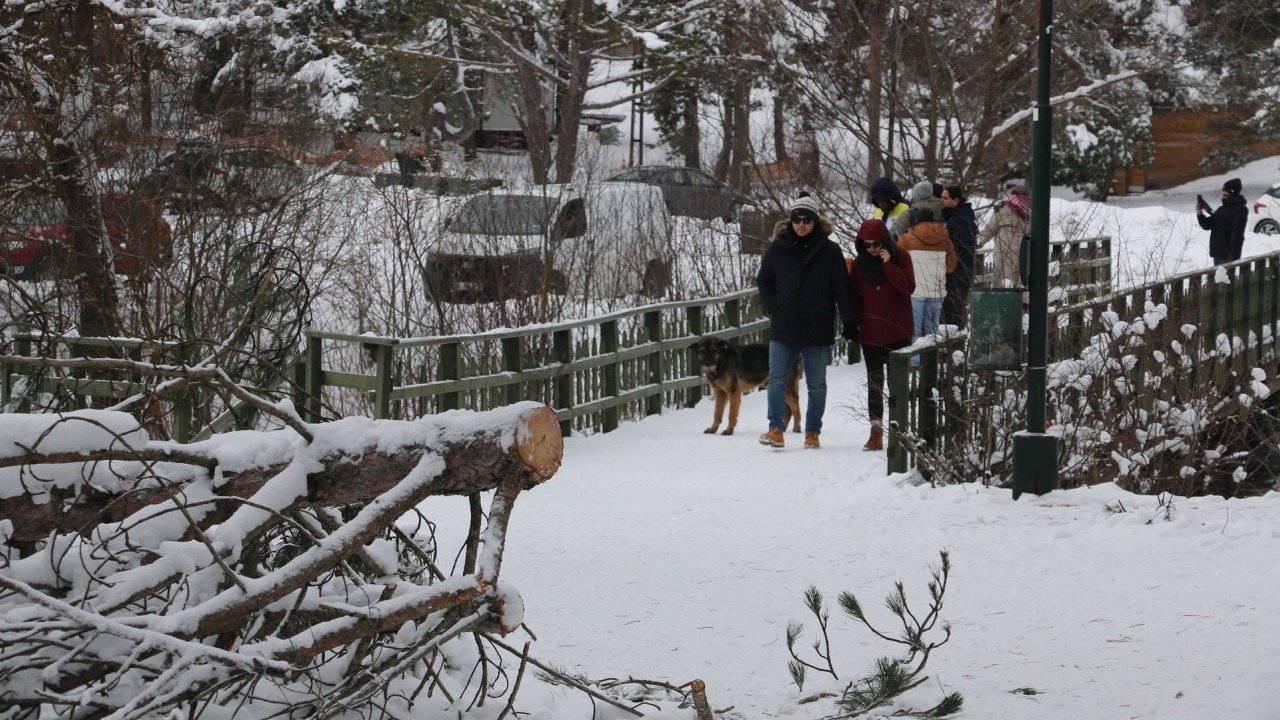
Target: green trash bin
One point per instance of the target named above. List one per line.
(995, 328)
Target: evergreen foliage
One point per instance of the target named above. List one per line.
(891, 676)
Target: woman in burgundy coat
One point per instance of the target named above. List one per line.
(883, 280)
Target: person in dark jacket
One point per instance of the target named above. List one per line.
(962, 225)
(882, 279)
(1226, 225)
(802, 281)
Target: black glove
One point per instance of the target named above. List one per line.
(850, 332)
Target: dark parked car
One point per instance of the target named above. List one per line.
(36, 239)
(688, 191)
(203, 175)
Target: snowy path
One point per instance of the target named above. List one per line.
(660, 552)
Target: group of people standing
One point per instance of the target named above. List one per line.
(913, 269)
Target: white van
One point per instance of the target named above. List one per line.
(600, 241)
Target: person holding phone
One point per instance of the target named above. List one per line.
(1226, 225)
(883, 279)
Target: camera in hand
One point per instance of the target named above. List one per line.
(1202, 204)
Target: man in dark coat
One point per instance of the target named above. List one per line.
(802, 280)
(962, 225)
(1226, 225)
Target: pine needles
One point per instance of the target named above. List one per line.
(918, 637)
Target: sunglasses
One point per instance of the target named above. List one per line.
(802, 219)
(873, 245)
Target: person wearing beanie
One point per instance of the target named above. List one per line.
(882, 279)
(802, 283)
(1226, 225)
(962, 226)
(888, 200)
(922, 196)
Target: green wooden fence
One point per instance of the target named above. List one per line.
(595, 372)
(1236, 306)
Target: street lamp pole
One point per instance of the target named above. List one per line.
(1035, 451)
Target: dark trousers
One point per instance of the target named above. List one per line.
(876, 357)
(955, 309)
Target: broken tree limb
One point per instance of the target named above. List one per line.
(526, 443)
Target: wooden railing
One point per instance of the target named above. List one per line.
(1236, 306)
(595, 372)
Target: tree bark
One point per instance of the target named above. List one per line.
(472, 465)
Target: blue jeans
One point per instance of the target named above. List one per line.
(781, 359)
(926, 313)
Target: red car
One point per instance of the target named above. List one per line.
(36, 241)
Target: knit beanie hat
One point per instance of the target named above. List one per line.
(921, 191)
(1233, 186)
(873, 229)
(804, 203)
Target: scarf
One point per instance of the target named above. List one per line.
(1019, 204)
(871, 267)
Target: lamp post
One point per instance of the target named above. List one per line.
(1035, 452)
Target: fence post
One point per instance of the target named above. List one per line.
(382, 390)
(315, 379)
(653, 326)
(609, 344)
(694, 318)
(562, 346)
(733, 312)
(513, 362)
(1274, 301)
(1258, 285)
(450, 369)
(927, 408)
(899, 378)
(1106, 269)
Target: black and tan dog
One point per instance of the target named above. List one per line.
(734, 371)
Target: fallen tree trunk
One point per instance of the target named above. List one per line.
(528, 443)
(219, 570)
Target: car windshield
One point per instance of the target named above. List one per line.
(47, 212)
(506, 215)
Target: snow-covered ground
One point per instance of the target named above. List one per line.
(659, 552)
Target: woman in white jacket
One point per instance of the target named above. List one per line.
(934, 257)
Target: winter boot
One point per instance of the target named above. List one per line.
(876, 441)
(811, 441)
(773, 438)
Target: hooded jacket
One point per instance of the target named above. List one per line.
(886, 188)
(1226, 227)
(883, 307)
(921, 197)
(802, 281)
(933, 257)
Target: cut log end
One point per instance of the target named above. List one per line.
(539, 444)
